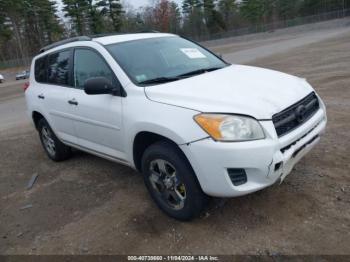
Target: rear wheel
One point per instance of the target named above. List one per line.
(171, 181)
(53, 147)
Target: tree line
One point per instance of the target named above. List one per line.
(27, 25)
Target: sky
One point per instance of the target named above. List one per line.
(138, 3)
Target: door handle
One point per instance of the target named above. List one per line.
(73, 102)
(41, 96)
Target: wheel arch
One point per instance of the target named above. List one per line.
(36, 117)
(142, 141)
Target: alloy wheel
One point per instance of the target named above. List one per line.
(48, 141)
(166, 183)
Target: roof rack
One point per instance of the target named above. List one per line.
(66, 41)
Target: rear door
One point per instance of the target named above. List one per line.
(97, 118)
(55, 94)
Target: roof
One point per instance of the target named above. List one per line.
(112, 39)
(106, 40)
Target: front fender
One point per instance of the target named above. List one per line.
(174, 123)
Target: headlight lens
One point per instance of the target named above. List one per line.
(230, 127)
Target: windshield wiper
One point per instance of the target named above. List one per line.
(159, 80)
(164, 79)
(199, 71)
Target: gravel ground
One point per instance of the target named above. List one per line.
(88, 205)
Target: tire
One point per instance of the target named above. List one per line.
(54, 148)
(172, 182)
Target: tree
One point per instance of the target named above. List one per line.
(288, 9)
(26, 26)
(114, 10)
(41, 20)
(193, 24)
(229, 11)
(96, 25)
(190, 6)
(257, 11)
(147, 16)
(161, 14)
(132, 22)
(175, 18)
(77, 10)
(212, 17)
(166, 16)
(5, 31)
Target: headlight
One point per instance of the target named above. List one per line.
(230, 127)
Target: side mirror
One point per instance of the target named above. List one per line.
(100, 85)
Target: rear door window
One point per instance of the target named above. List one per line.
(58, 68)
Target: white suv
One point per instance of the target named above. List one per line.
(194, 125)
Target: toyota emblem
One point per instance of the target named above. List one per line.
(300, 113)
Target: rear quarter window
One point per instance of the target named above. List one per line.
(40, 70)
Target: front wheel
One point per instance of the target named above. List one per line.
(171, 181)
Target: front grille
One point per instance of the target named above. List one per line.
(295, 115)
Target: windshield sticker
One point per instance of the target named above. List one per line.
(192, 53)
(141, 78)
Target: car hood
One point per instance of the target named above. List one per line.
(235, 89)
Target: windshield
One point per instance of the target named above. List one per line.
(163, 59)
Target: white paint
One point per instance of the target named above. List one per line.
(106, 40)
(107, 125)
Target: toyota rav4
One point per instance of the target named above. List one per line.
(192, 124)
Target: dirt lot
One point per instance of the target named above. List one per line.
(88, 205)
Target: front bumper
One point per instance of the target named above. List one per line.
(210, 160)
